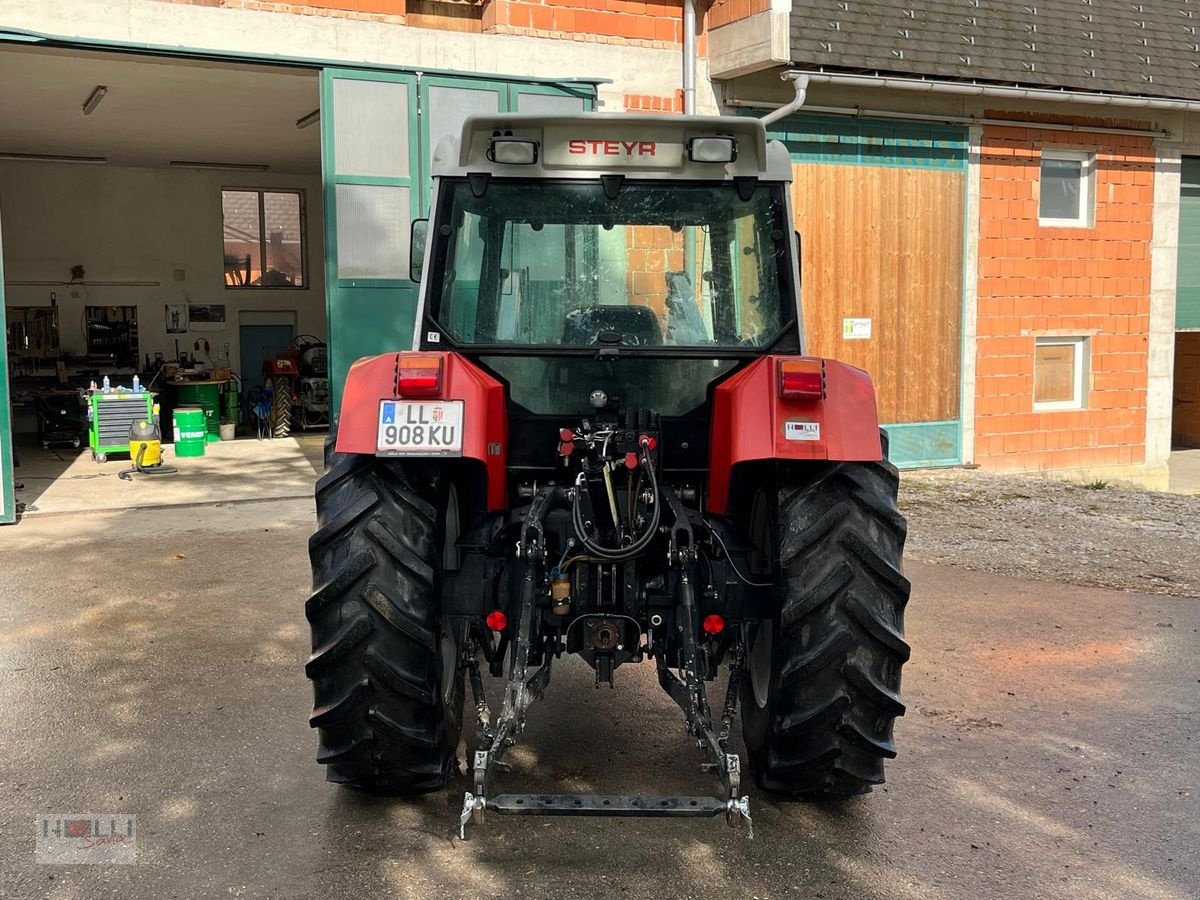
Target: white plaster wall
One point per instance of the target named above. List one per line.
(632, 70)
(970, 294)
(127, 224)
(1164, 266)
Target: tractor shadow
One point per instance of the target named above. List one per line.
(627, 740)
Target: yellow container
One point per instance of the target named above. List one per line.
(144, 434)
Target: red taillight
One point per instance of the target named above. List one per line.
(713, 624)
(801, 379)
(419, 376)
(496, 620)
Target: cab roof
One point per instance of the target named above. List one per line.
(634, 145)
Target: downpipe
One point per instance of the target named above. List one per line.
(800, 82)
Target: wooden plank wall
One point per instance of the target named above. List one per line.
(886, 243)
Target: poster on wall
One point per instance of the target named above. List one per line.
(177, 320)
(206, 317)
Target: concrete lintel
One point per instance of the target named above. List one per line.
(749, 45)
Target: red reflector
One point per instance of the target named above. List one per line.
(566, 434)
(496, 620)
(713, 624)
(419, 376)
(801, 379)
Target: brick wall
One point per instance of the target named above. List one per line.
(1185, 413)
(722, 12)
(644, 103)
(651, 23)
(393, 11)
(650, 254)
(1035, 280)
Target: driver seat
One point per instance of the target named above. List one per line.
(637, 325)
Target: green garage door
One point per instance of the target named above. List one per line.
(379, 132)
(1187, 291)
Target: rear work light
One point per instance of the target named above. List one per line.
(801, 379)
(513, 151)
(712, 149)
(419, 376)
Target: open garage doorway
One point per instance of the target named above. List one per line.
(147, 202)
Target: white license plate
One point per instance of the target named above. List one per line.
(427, 428)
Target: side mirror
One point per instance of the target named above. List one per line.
(416, 248)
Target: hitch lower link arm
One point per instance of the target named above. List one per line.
(519, 690)
(689, 694)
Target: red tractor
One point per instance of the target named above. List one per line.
(298, 378)
(608, 441)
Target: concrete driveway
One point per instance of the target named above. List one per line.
(151, 663)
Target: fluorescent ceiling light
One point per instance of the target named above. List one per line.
(305, 121)
(43, 157)
(238, 167)
(94, 98)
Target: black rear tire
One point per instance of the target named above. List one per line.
(388, 688)
(281, 406)
(823, 688)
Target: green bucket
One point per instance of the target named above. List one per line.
(190, 431)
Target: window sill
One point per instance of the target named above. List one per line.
(1064, 223)
(1058, 406)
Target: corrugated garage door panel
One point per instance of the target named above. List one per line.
(1187, 293)
(869, 143)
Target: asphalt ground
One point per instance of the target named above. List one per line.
(151, 664)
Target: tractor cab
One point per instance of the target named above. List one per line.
(644, 258)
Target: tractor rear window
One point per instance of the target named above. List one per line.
(537, 263)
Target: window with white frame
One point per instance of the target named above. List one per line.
(1059, 372)
(1065, 188)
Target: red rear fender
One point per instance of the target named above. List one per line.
(750, 421)
(485, 419)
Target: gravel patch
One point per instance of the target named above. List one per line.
(1048, 530)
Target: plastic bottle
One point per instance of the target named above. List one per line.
(137, 385)
(106, 385)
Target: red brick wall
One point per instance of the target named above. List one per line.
(652, 23)
(722, 12)
(372, 10)
(644, 103)
(1037, 280)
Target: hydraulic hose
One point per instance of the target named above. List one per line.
(607, 553)
(127, 474)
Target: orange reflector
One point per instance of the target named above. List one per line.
(419, 376)
(496, 620)
(713, 624)
(801, 379)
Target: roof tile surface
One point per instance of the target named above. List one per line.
(1149, 49)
